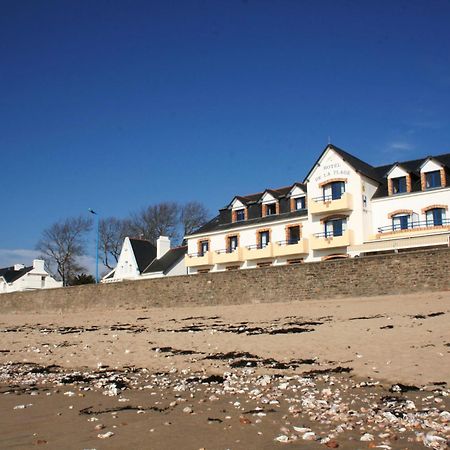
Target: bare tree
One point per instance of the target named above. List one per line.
(62, 244)
(156, 220)
(193, 215)
(112, 233)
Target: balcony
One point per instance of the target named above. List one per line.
(257, 251)
(326, 205)
(320, 241)
(413, 228)
(227, 256)
(198, 259)
(290, 248)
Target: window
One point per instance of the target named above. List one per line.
(232, 267)
(232, 244)
(335, 227)
(398, 185)
(401, 222)
(204, 248)
(293, 234)
(295, 261)
(271, 209)
(264, 239)
(433, 179)
(203, 270)
(300, 203)
(333, 191)
(264, 264)
(435, 217)
(240, 215)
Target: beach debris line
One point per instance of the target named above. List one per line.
(331, 408)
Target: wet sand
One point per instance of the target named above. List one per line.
(313, 373)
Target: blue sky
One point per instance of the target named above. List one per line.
(117, 104)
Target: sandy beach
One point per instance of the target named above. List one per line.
(354, 373)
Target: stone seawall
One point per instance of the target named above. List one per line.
(419, 271)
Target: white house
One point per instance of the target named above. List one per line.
(344, 208)
(140, 259)
(21, 278)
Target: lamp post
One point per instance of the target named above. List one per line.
(96, 243)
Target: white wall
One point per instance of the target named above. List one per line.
(332, 166)
(414, 201)
(127, 267)
(36, 278)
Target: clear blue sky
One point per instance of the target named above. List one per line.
(117, 104)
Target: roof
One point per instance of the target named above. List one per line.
(377, 174)
(169, 259)
(276, 193)
(10, 275)
(412, 167)
(144, 252)
(358, 164)
(216, 225)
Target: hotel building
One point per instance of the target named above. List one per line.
(344, 208)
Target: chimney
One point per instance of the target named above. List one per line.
(19, 266)
(162, 246)
(38, 264)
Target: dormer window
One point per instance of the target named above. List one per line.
(299, 203)
(240, 215)
(271, 209)
(399, 185)
(433, 179)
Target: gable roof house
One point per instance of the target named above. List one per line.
(21, 278)
(140, 259)
(345, 207)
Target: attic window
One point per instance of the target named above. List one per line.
(399, 185)
(240, 215)
(433, 179)
(271, 209)
(299, 203)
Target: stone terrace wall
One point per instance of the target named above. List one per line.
(419, 271)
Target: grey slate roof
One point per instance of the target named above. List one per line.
(164, 264)
(10, 275)
(217, 224)
(412, 167)
(144, 252)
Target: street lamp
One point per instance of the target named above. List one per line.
(96, 244)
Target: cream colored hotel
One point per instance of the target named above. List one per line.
(344, 208)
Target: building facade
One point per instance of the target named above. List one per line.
(21, 278)
(343, 208)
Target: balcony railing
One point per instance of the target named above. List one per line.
(289, 242)
(257, 251)
(329, 239)
(328, 234)
(413, 225)
(198, 259)
(290, 247)
(227, 255)
(327, 198)
(328, 204)
(257, 246)
(225, 250)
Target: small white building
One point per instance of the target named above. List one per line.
(140, 259)
(344, 208)
(21, 278)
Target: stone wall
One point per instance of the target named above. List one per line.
(419, 271)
